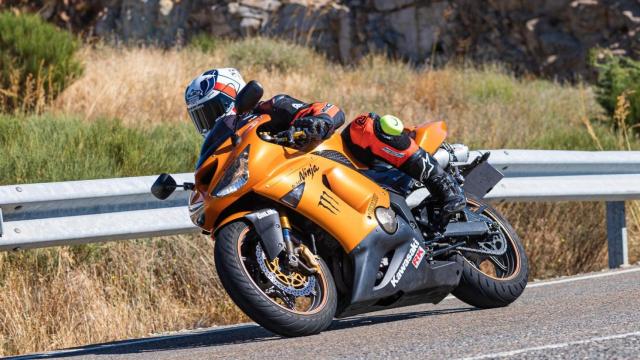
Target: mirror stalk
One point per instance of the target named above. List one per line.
(165, 185)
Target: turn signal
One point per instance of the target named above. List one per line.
(387, 219)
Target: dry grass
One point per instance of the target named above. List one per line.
(31, 94)
(55, 298)
(484, 107)
(69, 296)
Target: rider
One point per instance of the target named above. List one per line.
(210, 100)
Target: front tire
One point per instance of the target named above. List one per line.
(490, 283)
(236, 244)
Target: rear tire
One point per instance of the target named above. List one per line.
(483, 290)
(254, 302)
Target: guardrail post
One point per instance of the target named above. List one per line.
(617, 234)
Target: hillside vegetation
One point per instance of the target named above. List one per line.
(125, 116)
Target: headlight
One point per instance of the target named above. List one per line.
(196, 209)
(235, 177)
(387, 219)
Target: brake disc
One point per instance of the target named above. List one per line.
(305, 290)
(495, 247)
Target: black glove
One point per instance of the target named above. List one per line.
(314, 128)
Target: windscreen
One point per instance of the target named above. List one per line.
(215, 137)
(220, 132)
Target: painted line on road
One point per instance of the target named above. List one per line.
(572, 279)
(585, 277)
(552, 346)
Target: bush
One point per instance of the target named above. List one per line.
(618, 76)
(270, 54)
(203, 42)
(36, 62)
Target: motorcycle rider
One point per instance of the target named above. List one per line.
(210, 101)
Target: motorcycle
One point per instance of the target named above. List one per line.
(306, 233)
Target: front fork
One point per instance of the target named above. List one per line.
(296, 250)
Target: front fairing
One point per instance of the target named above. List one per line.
(220, 132)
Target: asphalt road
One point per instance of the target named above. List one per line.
(594, 316)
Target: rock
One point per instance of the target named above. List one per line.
(588, 19)
(388, 5)
(546, 37)
(631, 17)
(265, 5)
(432, 28)
(402, 32)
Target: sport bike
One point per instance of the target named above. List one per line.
(305, 233)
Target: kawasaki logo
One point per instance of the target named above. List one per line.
(407, 260)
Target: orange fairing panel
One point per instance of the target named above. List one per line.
(337, 198)
(431, 135)
(343, 203)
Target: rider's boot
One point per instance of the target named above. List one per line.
(423, 167)
(445, 188)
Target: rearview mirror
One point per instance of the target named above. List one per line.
(164, 186)
(249, 97)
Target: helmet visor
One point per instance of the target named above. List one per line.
(205, 115)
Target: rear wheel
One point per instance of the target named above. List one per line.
(285, 302)
(490, 281)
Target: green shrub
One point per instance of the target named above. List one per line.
(203, 42)
(36, 61)
(46, 148)
(618, 75)
(270, 54)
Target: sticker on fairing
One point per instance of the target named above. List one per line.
(418, 258)
(415, 245)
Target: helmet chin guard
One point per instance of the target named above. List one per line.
(212, 95)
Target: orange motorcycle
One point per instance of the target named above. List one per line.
(306, 233)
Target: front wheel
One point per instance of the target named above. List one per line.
(490, 281)
(285, 302)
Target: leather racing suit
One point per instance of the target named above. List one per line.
(367, 141)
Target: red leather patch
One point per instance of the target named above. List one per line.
(362, 134)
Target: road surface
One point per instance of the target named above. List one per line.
(593, 316)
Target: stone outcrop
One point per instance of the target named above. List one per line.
(546, 37)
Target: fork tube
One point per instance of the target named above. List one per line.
(286, 232)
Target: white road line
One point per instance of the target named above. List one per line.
(585, 277)
(552, 346)
(572, 279)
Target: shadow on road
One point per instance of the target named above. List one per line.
(225, 336)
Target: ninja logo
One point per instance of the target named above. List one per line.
(329, 203)
(405, 263)
(307, 172)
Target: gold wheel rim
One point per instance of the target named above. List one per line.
(295, 279)
(321, 279)
(511, 242)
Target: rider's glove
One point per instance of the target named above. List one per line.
(314, 128)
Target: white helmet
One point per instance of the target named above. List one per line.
(211, 96)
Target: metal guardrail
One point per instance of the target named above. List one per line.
(75, 212)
